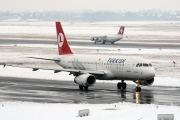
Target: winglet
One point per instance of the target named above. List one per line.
(174, 63)
(121, 30)
(4, 65)
(63, 46)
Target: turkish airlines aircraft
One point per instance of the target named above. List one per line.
(88, 68)
(109, 38)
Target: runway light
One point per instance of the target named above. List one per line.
(165, 117)
(82, 113)
(4, 65)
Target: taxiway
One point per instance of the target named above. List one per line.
(54, 91)
(90, 43)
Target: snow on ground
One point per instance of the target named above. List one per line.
(116, 111)
(134, 30)
(108, 50)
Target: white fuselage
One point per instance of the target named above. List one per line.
(115, 67)
(108, 38)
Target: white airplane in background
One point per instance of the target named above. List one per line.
(109, 38)
(88, 68)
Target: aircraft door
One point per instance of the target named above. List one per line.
(99, 64)
(128, 68)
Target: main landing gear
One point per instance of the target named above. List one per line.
(137, 89)
(121, 85)
(85, 87)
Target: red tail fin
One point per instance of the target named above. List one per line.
(121, 30)
(63, 46)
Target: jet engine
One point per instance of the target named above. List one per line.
(95, 38)
(146, 82)
(85, 80)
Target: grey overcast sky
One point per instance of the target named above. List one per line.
(78, 5)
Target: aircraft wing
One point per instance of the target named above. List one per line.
(56, 70)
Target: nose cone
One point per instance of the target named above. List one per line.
(152, 73)
(149, 73)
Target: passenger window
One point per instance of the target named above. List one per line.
(137, 65)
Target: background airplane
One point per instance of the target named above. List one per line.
(109, 38)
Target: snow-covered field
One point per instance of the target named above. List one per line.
(125, 111)
(168, 31)
(116, 111)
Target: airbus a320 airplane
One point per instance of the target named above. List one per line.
(88, 68)
(109, 38)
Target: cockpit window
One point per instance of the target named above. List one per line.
(137, 65)
(144, 65)
(140, 64)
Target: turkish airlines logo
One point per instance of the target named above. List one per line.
(60, 39)
(121, 30)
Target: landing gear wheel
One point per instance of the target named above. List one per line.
(119, 85)
(112, 42)
(124, 85)
(86, 88)
(138, 89)
(80, 87)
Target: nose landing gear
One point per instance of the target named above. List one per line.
(137, 89)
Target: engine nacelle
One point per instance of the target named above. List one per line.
(96, 38)
(85, 80)
(146, 82)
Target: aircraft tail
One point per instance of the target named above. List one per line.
(63, 46)
(121, 30)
